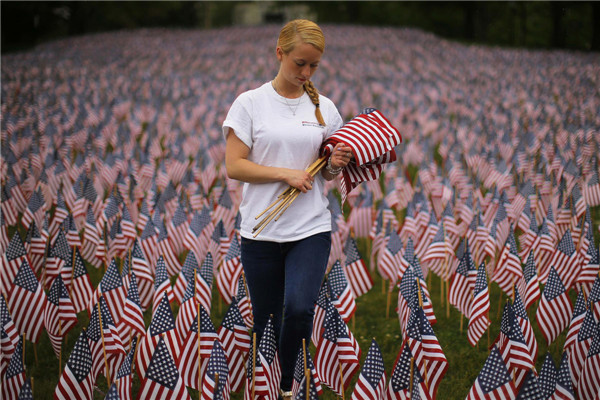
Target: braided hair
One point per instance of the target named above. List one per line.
(308, 32)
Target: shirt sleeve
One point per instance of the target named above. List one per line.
(334, 120)
(239, 119)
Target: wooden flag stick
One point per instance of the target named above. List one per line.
(103, 347)
(281, 196)
(35, 353)
(263, 223)
(253, 364)
(216, 383)
(72, 274)
(306, 370)
(199, 355)
(60, 351)
(342, 380)
(419, 292)
(389, 302)
(412, 375)
(137, 345)
(287, 204)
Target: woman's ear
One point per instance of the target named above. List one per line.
(279, 54)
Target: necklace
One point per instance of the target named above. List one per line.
(293, 110)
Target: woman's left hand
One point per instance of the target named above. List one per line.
(341, 155)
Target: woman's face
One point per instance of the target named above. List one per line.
(298, 65)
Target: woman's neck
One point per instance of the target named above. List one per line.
(291, 92)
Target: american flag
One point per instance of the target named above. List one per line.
(565, 260)
(149, 245)
(460, 292)
(340, 291)
(304, 388)
(320, 310)
(162, 324)
(437, 252)
(9, 213)
(264, 373)
(525, 324)
(26, 392)
(81, 289)
(579, 312)
(35, 243)
(233, 335)
(401, 387)
(91, 240)
(494, 380)
(15, 255)
(112, 289)
(26, 302)
(356, 270)
(35, 209)
(588, 385)
(187, 310)
(162, 284)
(513, 347)
(564, 384)
(132, 319)
(216, 379)
(428, 353)
(166, 248)
(204, 281)
(591, 190)
(361, 215)
(104, 337)
(547, 377)
(590, 267)
(372, 139)
(59, 314)
(388, 261)
(508, 271)
(555, 309)
(113, 392)
(531, 280)
(479, 320)
(9, 336)
(528, 225)
(14, 377)
(190, 265)
(195, 238)
(229, 273)
(162, 379)
(225, 211)
(177, 228)
(145, 280)
(244, 303)
(304, 360)
(371, 381)
(337, 349)
(124, 376)
(579, 349)
(196, 348)
(77, 379)
(530, 388)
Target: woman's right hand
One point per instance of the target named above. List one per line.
(299, 179)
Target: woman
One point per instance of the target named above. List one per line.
(273, 134)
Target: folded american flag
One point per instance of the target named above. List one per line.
(372, 139)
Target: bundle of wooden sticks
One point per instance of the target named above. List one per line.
(285, 199)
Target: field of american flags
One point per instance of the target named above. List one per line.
(119, 135)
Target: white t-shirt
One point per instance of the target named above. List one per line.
(264, 121)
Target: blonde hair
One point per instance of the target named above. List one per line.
(304, 31)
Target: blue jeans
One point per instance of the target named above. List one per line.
(286, 276)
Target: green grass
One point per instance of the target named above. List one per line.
(369, 322)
